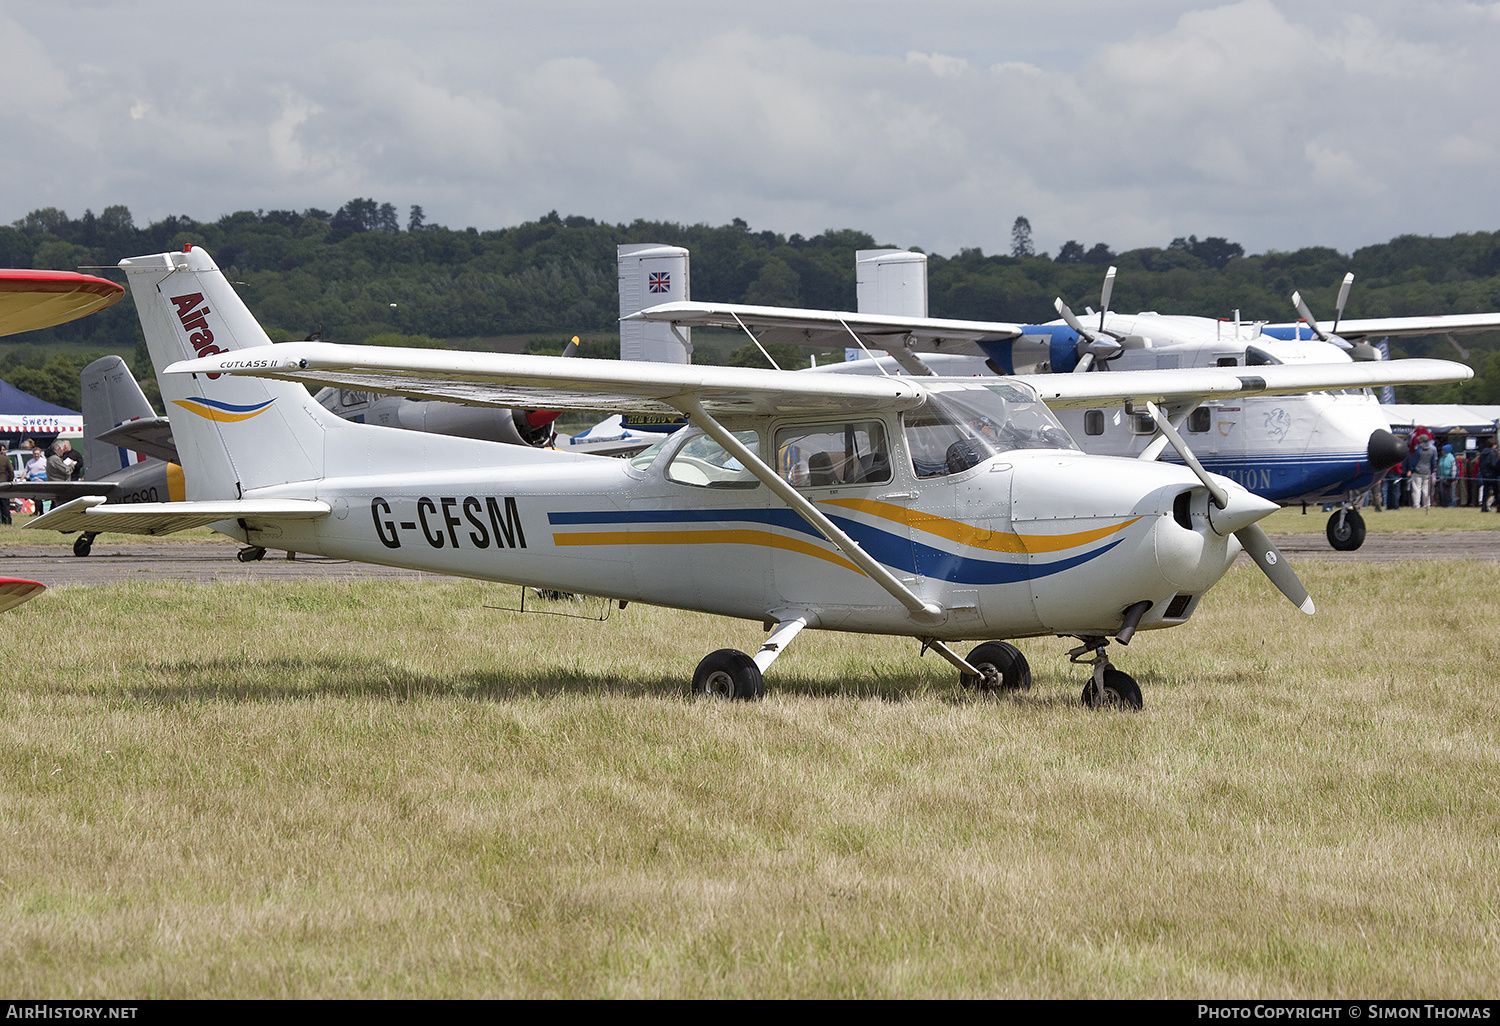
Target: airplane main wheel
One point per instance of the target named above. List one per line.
(1349, 535)
(1120, 692)
(83, 544)
(1013, 673)
(729, 674)
(250, 553)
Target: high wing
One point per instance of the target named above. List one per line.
(32, 299)
(834, 328)
(1114, 388)
(1399, 327)
(498, 379)
(552, 382)
(149, 436)
(89, 513)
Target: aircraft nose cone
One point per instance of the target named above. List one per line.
(1385, 450)
(1244, 509)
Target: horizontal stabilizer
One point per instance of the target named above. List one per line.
(148, 436)
(57, 491)
(92, 513)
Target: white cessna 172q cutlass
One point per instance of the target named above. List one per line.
(941, 510)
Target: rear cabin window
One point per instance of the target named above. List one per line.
(830, 455)
(1198, 420)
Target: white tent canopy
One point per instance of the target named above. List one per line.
(1442, 418)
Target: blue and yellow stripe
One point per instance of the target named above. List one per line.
(898, 550)
(222, 412)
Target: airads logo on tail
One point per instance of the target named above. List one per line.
(195, 321)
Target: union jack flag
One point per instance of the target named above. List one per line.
(659, 281)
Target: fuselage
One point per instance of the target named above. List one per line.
(1013, 537)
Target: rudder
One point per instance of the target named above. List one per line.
(233, 433)
(111, 396)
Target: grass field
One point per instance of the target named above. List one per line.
(387, 790)
(1292, 520)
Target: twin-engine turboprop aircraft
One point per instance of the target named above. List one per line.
(1323, 447)
(941, 510)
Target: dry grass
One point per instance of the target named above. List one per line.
(1292, 521)
(385, 790)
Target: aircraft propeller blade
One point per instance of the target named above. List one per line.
(1251, 536)
(1071, 321)
(1109, 289)
(571, 349)
(1338, 313)
(1312, 322)
(1084, 363)
(1215, 490)
(1274, 565)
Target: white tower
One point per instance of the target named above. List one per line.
(650, 275)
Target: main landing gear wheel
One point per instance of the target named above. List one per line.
(1003, 666)
(250, 553)
(84, 543)
(1120, 692)
(729, 674)
(1346, 530)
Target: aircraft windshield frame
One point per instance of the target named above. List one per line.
(961, 427)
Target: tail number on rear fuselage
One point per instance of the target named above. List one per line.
(447, 519)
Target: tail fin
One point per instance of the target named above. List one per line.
(233, 433)
(652, 274)
(111, 396)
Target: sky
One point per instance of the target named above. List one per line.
(934, 124)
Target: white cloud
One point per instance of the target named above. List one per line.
(1271, 123)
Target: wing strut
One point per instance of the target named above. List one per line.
(762, 348)
(1177, 415)
(921, 612)
(863, 348)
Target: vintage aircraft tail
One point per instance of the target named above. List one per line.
(233, 433)
(111, 396)
(651, 274)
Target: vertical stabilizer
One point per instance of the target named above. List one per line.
(889, 281)
(233, 433)
(650, 275)
(111, 396)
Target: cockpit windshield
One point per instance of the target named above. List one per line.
(960, 428)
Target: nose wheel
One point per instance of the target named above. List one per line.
(1108, 688)
(1346, 529)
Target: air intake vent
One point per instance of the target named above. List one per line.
(1182, 510)
(1177, 609)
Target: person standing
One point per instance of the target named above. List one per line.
(61, 464)
(1447, 471)
(1489, 477)
(7, 475)
(1423, 466)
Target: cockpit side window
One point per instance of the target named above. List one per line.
(830, 455)
(962, 428)
(703, 463)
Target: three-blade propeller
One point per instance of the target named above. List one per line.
(1098, 344)
(1238, 514)
(1362, 351)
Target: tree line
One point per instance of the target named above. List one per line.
(357, 275)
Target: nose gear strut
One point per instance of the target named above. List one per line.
(1108, 688)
